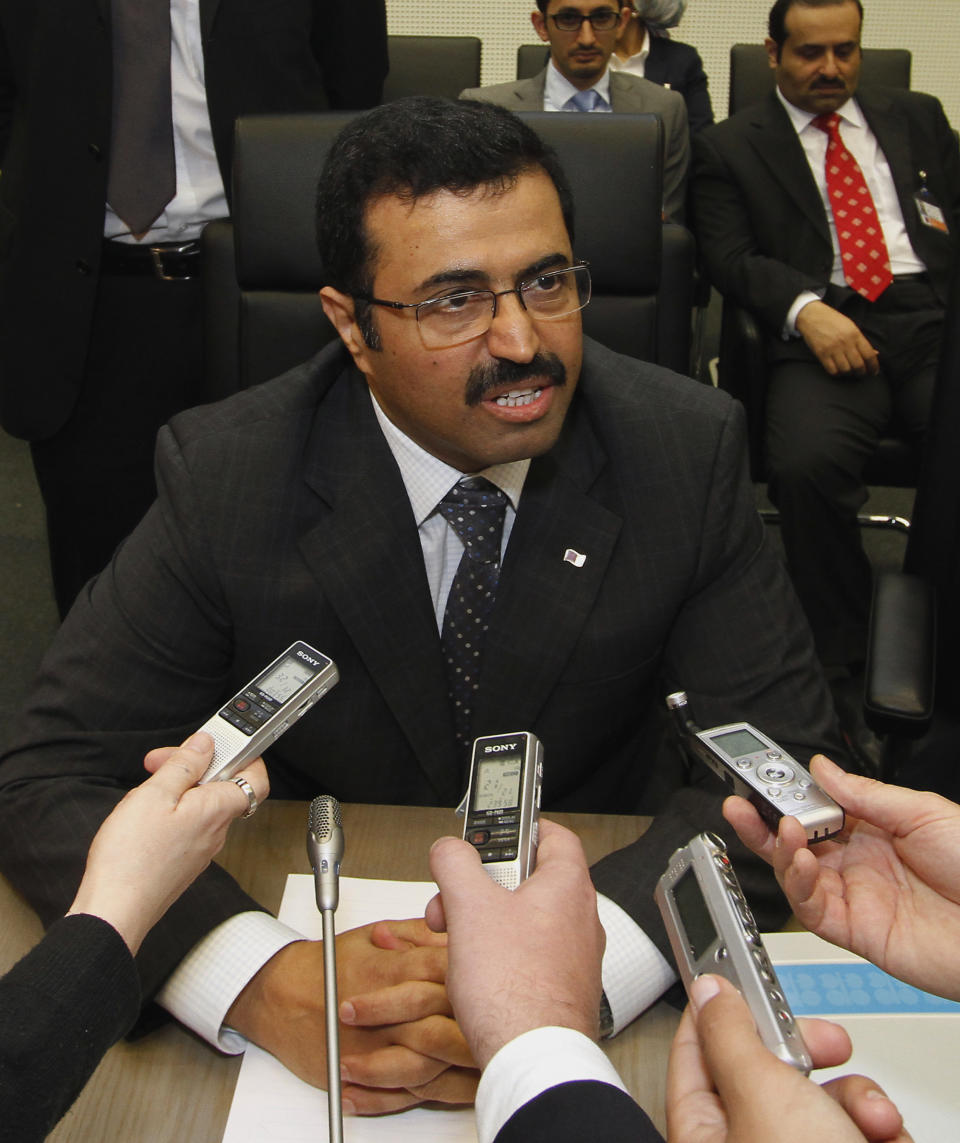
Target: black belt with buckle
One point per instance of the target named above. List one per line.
(168, 261)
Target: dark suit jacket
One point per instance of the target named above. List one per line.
(577, 1112)
(629, 94)
(55, 82)
(282, 516)
(758, 215)
(679, 67)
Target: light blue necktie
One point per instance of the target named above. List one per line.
(584, 100)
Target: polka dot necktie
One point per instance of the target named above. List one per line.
(474, 508)
(863, 251)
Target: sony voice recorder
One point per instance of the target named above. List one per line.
(755, 767)
(268, 705)
(503, 804)
(711, 929)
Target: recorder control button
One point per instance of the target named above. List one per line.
(744, 763)
(774, 755)
(784, 1017)
(479, 837)
(774, 792)
(722, 953)
(776, 997)
(804, 783)
(799, 796)
(241, 704)
(778, 772)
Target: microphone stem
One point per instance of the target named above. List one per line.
(333, 1027)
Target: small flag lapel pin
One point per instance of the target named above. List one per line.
(578, 559)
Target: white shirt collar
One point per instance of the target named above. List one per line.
(428, 479)
(558, 89)
(617, 64)
(849, 112)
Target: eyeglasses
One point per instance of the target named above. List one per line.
(601, 19)
(455, 318)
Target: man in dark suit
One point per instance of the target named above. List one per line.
(100, 317)
(644, 48)
(325, 506)
(851, 351)
(582, 35)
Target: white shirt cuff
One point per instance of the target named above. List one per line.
(801, 300)
(212, 975)
(530, 1064)
(635, 973)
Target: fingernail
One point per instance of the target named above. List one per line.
(347, 1012)
(344, 1073)
(347, 1107)
(199, 740)
(703, 990)
(875, 1093)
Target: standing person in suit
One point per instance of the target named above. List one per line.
(582, 35)
(644, 48)
(526, 999)
(116, 137)
(619, 556)
(852, 347)
(76, 992)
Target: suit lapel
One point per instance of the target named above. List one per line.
(529, 92)
(772, 136)
(366, 554)
(892, 130)
(543, 600)
(208, 14)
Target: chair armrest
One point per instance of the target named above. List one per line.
(742, 372)
(899, 681)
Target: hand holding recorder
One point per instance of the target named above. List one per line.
(160, 837)
(724, 1086)
(887, 889)
(521, 959)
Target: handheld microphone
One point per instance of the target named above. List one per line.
(325, 850)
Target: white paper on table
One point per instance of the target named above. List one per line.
(271, 1103)
(912, 1056)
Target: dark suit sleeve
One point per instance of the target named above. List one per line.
(729, 196)
(692, 85)
(739, 643)
(576, 1111)
(8, 95)
(350, 43)
(145, 652)
(61, 1008)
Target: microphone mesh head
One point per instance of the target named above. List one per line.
(324, 815)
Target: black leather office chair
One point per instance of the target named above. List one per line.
(742, 366)
(531, 58)
(912, 681)
(262, 272)
(431, 65)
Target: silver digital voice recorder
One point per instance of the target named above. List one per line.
(503, 804)
(755, 767)
(711, 929)
(268, 705)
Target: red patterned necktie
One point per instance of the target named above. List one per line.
(863, 251)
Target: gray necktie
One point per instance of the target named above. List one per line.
(475, 509)
(584, 100)
(143, 175)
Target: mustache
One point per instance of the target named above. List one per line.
(829, 84)
(499, 372)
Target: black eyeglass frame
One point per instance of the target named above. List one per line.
(592, 17)
(493, 295)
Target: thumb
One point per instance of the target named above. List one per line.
(728, 1036)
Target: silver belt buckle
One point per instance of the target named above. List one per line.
(157, 255)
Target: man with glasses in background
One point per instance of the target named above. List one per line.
(489, 523)
(582, 35)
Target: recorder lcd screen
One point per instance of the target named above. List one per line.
(739, 742)
(286, 678)
(498, 783)
(694, 915)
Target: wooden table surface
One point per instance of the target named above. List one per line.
(171, 1086)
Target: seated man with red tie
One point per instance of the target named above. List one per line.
(832, 215)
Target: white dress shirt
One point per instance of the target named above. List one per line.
(637, 63)
(200, 197)
(861, 142)
(558, 90)
(205, 984)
